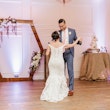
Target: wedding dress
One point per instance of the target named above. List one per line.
(56, 86)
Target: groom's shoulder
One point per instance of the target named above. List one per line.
(71, 29)
(59, 31)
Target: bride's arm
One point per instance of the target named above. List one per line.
(48, 51)
(73, 44)
(47, 59)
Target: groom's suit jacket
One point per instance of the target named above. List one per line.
(71, 36)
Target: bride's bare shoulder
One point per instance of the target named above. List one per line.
(61, 43)
(50, 42)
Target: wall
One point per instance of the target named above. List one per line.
(108, 25)
(83, 15)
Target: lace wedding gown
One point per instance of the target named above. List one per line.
(56, 86)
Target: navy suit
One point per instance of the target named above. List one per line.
(68, 56)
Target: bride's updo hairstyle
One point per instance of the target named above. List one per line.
(55, 35)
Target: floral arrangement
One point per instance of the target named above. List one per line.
(35, 61)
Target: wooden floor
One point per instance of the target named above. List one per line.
(89, 95)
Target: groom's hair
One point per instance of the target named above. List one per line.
(55, 35)
(61, 20)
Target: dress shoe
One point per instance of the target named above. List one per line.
(70, 93)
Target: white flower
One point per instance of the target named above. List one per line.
(35, 57)
(38, 55)
(35, 61)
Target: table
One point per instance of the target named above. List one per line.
(95, 66)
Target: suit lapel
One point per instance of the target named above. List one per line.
(60, 35)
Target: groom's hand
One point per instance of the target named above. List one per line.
(79, 43)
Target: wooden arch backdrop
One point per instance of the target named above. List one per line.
(30, 78)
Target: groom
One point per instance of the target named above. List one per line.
(68, 36)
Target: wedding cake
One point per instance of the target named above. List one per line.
(93, 46)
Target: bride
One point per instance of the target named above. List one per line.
(56, 88)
